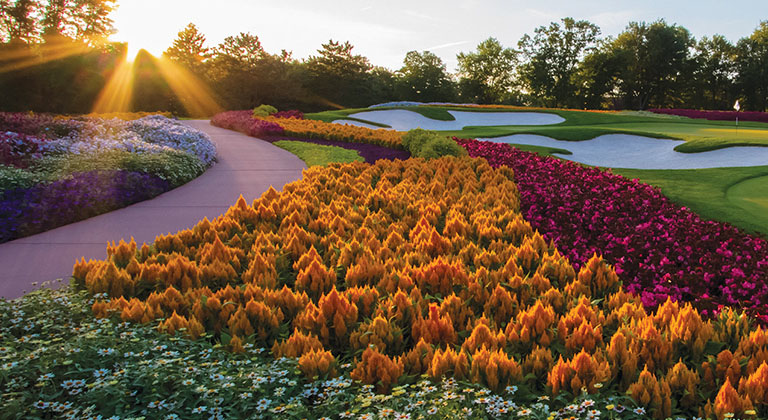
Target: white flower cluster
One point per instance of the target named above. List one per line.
(152, 134)
(156, 129)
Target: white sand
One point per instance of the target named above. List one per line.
(404, 120)
(637, 152)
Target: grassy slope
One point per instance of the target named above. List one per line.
(317, 154)
(735, 195)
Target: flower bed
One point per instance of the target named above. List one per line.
(659, 249)
(245, 122)
(119, 362)
(55, 171)
(715, 115)
(410, 268)
(26, 211)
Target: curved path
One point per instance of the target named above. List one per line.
(245, 166)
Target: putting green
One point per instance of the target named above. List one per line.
(751, 196)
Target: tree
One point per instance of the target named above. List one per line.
(83, 20)
(423, 77)
(487, 74)
(656, 64)
(714, 74)
(552, 57)
(752, 65)
(596, 79)
(18, 21)
(336, 75)
(189, 49)
(246, 75)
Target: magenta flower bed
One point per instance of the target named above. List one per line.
(244, 122)
(658, 248)
(715, 115)
(289, 114)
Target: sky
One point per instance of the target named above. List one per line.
(385, 30)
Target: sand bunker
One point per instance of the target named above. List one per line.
(403, 120)
(637, 152)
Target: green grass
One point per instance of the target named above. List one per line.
(735, 195)
(319, 155)
(699, 135)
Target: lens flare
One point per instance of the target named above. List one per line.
(195, 96)
(117, 95)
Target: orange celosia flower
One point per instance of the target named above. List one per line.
(376, 368)
(583, 371)
(532, 327)
(435, 329)
(729, 401)
(418, 359)
(756, 385)
(296, 345)
(482, 337)
(495, 369)
(318, 364)
(380, 334)
(448, 362)
(683, 383)
(649, 392)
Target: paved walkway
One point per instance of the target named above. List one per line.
(245, 166)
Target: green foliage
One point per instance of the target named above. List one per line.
(552, 58)
(430, 144)
(487, 74)
(656, 63)
(189, 49)
(12, 178)
(423, 77)
(319, 155)
(175, 167)
(264, 111)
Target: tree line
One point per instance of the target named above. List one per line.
(564, 64)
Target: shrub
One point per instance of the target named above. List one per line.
(264, 111)
(430, 144)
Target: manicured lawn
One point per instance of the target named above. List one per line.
(319, 155)
(700, 135)
(735, 195)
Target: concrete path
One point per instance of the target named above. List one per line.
(245, 166)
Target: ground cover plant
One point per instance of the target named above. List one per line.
(411, 268)
(317, 154)
(58, 170)
(660, 249)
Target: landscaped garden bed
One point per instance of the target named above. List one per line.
(410, 268)
(58, 170)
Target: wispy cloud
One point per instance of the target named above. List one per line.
(422, 16)
(450, 44)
